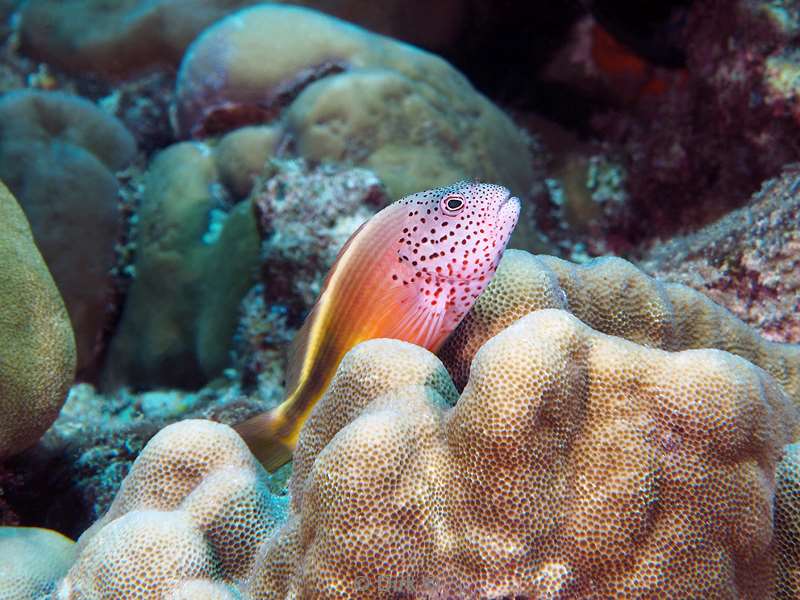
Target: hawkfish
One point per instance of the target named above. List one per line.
(410, 273)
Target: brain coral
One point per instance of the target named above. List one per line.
(614, 297)
(37, 348)
(32, 560)
(348, 95)
(57, 155)
(190, 516)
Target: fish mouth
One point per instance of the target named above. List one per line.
(508, 199)
(511, 206)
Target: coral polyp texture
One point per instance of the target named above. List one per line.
(32, 560)
(191, 515)
(343, 94)
(58, 153)
(787, 522)
(574, 464)
(614, 297)
(37, 348)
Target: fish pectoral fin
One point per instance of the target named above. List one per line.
(260, 433)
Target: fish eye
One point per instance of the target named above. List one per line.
(452, 204)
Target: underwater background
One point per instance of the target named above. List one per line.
(616, 416)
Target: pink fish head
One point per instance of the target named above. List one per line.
(451, 242)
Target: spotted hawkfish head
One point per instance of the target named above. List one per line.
(450, 244)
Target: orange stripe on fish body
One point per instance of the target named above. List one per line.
(410, 273)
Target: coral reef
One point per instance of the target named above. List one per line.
(347, 95)
(574, 463)
(37, 347)
(198, 252)
(401, 486)
(195, 506)
(32, 560)
(592, 430)
(614, 297)
(68, 480)
(701, 148)
(58, 153)
(748, 261)
(305, 216)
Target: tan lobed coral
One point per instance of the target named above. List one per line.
(37, 348)
(189, 519)
(32, 560)
(344, 94)
(787, 522)
(614, 297)
(58, 153)
(574, 465)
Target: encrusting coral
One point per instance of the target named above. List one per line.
(573, 464)
(32, 560)
(37, 348)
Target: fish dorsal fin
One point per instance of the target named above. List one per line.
(296, 357)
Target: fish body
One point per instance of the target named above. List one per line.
(409, 273)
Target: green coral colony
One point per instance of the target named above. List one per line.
(234, 233)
